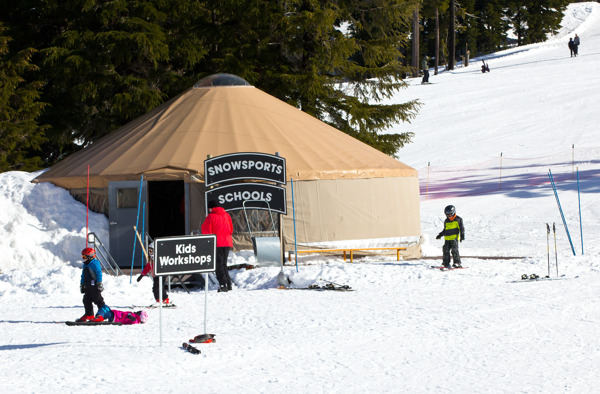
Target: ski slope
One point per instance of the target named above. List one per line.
(406, 327)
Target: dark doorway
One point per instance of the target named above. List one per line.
(166, 208)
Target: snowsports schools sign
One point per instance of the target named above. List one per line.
(229, 175)
(237, 166)
(184, 255)
(258, 195)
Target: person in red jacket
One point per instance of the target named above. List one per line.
(219, 222)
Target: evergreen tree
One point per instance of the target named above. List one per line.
(334, 60)
(533, 20)
(108, 62)
(428, 35)
(20, 133)
(490, 27)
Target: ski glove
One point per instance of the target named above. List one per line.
(140, 277)
(100, 286)
(438, 236)
(82, 289)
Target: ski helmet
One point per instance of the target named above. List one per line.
(143, 316)
(450, 210)
(88, 253)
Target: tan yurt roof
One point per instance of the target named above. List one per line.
(173, 140)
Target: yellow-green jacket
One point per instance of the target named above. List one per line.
(453, 229)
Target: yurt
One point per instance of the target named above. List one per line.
(345, 193)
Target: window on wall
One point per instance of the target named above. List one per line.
(127, 198)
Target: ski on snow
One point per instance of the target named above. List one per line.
(93, 323)
(154, 306)
(536, 278)
(328, 286)
(442, 268)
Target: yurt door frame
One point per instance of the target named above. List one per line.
(123, 197)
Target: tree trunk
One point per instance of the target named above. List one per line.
(415, 47)
(437, 41)
(452, 34)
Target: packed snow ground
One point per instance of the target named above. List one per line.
(406, 327)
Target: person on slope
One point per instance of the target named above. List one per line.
(453, 233)
(485, 67)
(425, 68)
(576, 42)
(124, 317)
(91, 284)
(149, 268)
(572, 46)
(219, 222)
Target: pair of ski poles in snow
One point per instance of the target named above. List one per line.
(548, 244)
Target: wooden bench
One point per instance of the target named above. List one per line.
(345, 250)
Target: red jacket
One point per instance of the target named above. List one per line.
(218, 222)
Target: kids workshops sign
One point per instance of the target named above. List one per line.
(183, 255)
(247, 166)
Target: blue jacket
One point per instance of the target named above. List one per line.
(92, 271)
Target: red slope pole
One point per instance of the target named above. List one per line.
(87, 206)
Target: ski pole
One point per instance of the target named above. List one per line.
(555, 255)
(560, 209)
(548, 246)
(579, 202)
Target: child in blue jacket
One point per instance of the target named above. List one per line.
(91, 283)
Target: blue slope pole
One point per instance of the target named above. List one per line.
(143, 229)
(137, 222)
(579, 201)
(560, 209)
(294, 214)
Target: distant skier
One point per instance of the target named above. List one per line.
(572, 47)
(484, 67)
(453, 233)
(425, 68)
(149, 269)
(91, 284)
(576, 41)
(124, 317)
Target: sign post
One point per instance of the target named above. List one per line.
(184, 255)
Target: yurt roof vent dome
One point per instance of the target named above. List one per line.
(221, 79)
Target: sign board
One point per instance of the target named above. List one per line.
(236, 166)
(232, 197)
(184, 254)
